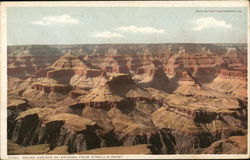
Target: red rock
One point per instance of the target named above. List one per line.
(117, 64)
(192, 115)
(157, 79)
(69, 61)
(197, 65)
(133, 63)
(22, 65)
(233, 74)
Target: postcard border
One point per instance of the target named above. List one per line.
(3, 72)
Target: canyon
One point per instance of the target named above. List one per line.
(127, 99)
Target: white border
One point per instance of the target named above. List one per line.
(3, 63)
(3, 98)
(132, 4)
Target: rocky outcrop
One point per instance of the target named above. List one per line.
(153, 99)
(184, 83)
(22, 65)
(61, 75)
(46, 91)
(189, 134)
(231, 145)
(115, 88)
(36, 126)
(70, 65)
(120, 113)
(233, 74)
(133, 62)
(115, 64)
(60, 80)
(204, 67)
(70, 61)
(157, 79)
(15, 106)
(232, 82)
(233, 59)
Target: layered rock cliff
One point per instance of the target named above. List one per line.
(150, 99)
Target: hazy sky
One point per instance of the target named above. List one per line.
(79, 25)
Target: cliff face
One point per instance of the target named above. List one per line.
(68, 66)
(119, 112)
(233, 82)
(71, 61)
(199, 65)
(157, 79)
(60, 79)
(36, 126)
(231, 145)
(126, 123)
(26, 65)
(116, 64)
(157, 100)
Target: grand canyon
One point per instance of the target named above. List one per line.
(168, 98)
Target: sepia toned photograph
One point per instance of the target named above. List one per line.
(103, 80)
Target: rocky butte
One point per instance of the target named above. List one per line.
(127, 99)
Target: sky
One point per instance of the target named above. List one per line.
(97, 25)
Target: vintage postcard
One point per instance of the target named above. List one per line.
(124, 80)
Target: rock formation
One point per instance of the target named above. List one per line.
(158, 79)
(127, 98)
(199, 65)
(30, 60)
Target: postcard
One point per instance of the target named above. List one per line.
(124, 80)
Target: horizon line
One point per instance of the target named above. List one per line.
(131, 43)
